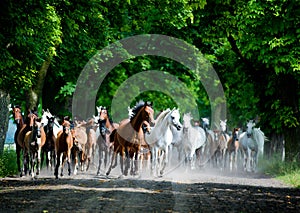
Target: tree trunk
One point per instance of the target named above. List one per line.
(292, 144)
(36, 91)
(4, 118)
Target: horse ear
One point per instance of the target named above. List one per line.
(225, 121)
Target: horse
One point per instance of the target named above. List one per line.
(48, 149)
(106, 127)
(161, 137)
(221, 140)
(80, 139)
(233, 148)
(63, 145)
(252, 144)
(56, 127)
(18, 120)
(193, 139)
(207, 150)
(34, 140)
(29, 122)
(129, 136)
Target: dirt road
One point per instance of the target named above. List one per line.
(177, 191)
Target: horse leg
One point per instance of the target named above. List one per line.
(100, 161)
(18, 152)
(127, 164)
(58, 158)
(113, 158)
(38, 164)
(75, 162)
(69, 161)
(136, 164)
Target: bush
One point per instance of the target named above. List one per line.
(8, 163)
(288, 172)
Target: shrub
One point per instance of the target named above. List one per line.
(8, 164)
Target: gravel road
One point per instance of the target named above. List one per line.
(177, 191)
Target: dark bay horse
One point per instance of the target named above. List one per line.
(48, 149)
(20, 135)
(129, 136)
(63, 146)
(18, 119)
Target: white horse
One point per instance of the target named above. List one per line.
(252, 143)
(193, 139)
(161, 137)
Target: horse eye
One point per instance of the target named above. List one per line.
(172, 117)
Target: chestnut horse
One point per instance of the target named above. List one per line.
(129, 136)
(106, 127)
(34, 140)
(63, 146)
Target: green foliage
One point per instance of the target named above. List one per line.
(289, 172)
(8, 165)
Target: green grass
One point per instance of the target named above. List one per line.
(288, 172)
(8, 163)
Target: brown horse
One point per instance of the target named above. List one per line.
(18, 119)
(129, 136)
(232, 149)
(28, 125)
(34, 140)
(80, 139)
(106, 127)
(63, 146)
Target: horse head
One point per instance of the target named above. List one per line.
(235, 134)
(18, 118)
(250, 125)
(174, 119)
(205, 123)
(142, 113)
(66, 127)
(223, 125)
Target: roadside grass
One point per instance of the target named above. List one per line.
(8, 163)
(288, 172)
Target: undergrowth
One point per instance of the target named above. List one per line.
(288, 172)
(8, 164)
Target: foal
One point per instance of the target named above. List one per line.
(63, 146)
(232, 149)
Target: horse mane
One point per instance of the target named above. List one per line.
(162, 115)
(137, 108)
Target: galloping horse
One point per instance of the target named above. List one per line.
(80, 139)
(233, 148)
(63, 145)
(49, 147)
(252, 142)
(106, 127)
(221, 140)
(161, 137)
(18, 119)
(29, 122)
(33, 142)
(129, 136)
(193, 139)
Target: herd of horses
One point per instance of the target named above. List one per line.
(140, 142)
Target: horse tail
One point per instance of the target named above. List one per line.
(112, 135)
